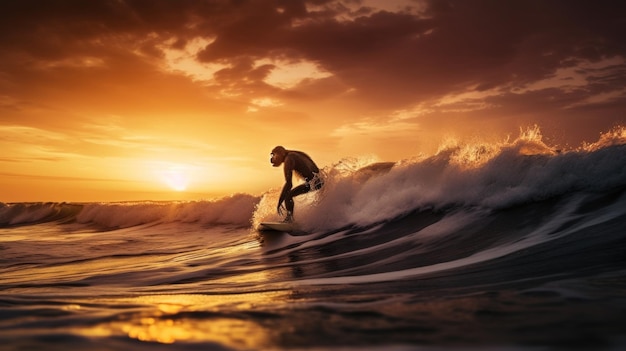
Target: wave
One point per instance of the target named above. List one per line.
(233, 210)
(32, 213)
(361, 191)
(489, 176)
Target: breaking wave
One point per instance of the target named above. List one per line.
(478, 175)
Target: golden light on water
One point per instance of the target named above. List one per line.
(232, 332)
(169, 319)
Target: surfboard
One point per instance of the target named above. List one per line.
(277, 226)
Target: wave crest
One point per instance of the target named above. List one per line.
(484, 175)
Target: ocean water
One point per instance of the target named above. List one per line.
(512, 246)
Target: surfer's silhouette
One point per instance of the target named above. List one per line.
(303, 165)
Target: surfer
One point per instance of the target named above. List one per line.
(303, 165)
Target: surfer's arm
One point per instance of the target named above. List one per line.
(288, 169)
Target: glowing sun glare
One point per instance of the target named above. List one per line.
(176, 178)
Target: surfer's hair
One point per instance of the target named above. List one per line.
(278, 149)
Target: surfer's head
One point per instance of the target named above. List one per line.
(277, 157)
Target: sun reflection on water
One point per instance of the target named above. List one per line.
(226, 331)
(168, 319)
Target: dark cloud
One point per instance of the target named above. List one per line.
(390, 60)
(450, 42)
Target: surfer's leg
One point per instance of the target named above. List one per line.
(289, 204)
(299, 190)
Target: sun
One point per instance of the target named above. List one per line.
(176, 177)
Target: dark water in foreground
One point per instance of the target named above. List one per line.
(519, 252)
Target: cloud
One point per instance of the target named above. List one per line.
(391, 53)
(183, 59)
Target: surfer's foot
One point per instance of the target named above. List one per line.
(289, 218)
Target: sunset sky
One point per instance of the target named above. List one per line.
(106, 100)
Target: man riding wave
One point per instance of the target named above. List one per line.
(303, 165)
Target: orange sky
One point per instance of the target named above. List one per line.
(158, 100)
